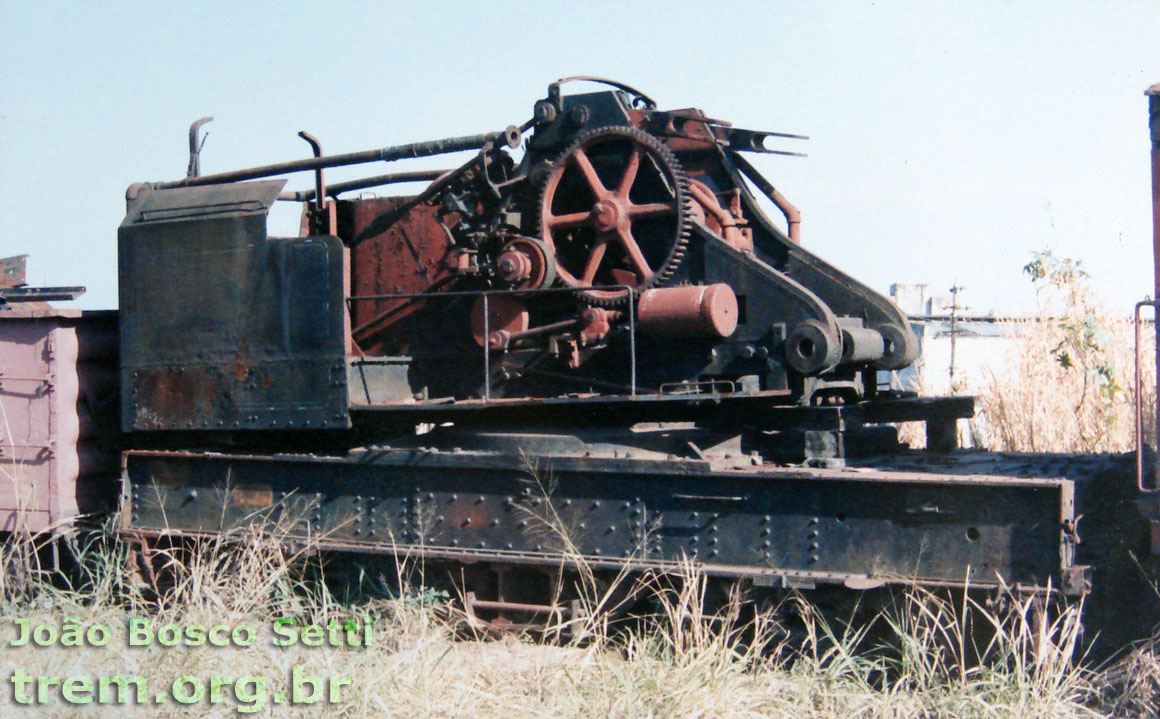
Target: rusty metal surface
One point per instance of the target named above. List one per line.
(828, 526)
(793, 216)
(14, 292)
(615, 210)
(699, 311)
(12, 271)
(702, 404)
(59, 439)
(411, 255)
(223, 327)
(504, 317)
(611, 197)
(726, 222)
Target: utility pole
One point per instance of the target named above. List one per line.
(955, 290)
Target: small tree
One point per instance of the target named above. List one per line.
(1060, 389)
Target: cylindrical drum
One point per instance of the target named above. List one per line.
(861, 345)
(812, 348)
(708, 311)
(900, 347)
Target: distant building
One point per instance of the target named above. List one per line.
(979, 340)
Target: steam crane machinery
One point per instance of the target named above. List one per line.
(588, 342)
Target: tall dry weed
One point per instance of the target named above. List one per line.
(682, 660)
(1068, 383)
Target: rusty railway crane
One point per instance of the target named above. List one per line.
(587, 342)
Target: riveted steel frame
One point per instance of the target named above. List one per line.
(787, 527)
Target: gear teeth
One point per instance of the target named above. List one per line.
(671, 166)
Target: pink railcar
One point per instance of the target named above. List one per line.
(58, 417)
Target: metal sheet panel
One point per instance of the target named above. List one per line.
(777, 525)
(58, 446)
(222, 327)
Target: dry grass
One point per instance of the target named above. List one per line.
(1131, 686)
(1068, 385)
(926, 656)
(1033, 402)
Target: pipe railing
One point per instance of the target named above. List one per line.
(510, 137)
(486, 294)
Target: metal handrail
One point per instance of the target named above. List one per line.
(485, 294)
(1139, 402)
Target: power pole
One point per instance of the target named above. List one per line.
(955, 290)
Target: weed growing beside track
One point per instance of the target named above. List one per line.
(919, 658)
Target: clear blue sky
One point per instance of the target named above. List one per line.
(949, 140)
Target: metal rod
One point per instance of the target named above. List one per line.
(712, 497)
(728, 126)
(386, 154)
(486, 320)
(337, 188)
(387, 314)
(486, 352)
(517, 607)
(1139, 399)
(1153, 94)
(477, 293)
(544, 329)
(632, 342)
(559, 375)
(554, 88)
(1139, 408)
(754, 141)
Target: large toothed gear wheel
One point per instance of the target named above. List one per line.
(616, 211)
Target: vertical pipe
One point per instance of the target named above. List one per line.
(793, 217)
(1138, 386)
(632, 340)
(195, 147)
(486, 350)
(319, 181)
(1153, 94)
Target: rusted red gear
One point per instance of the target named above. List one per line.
(633, 234)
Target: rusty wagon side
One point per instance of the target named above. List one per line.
(59, 437)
